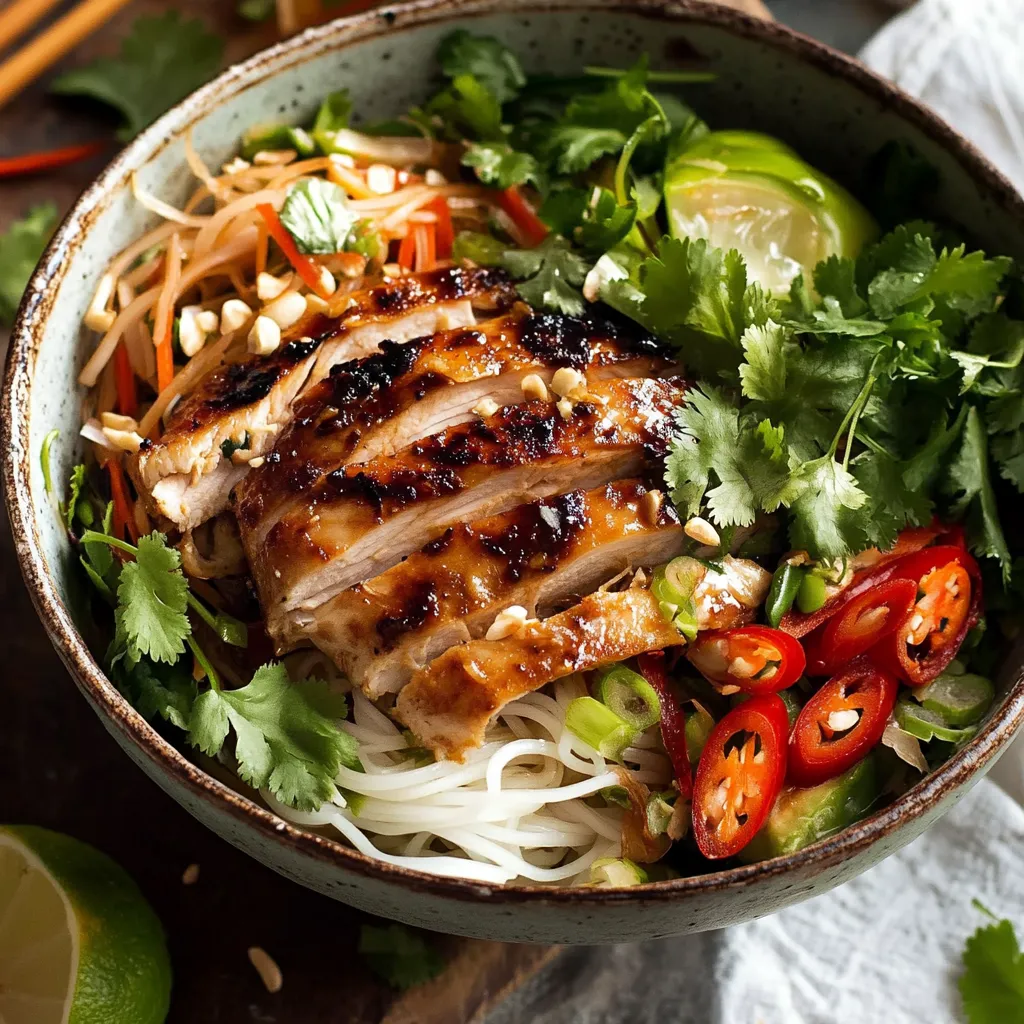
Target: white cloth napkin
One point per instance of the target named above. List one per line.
(885, 948)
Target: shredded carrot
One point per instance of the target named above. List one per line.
(127, 399)
(444, 232)
(522, 214)
(124, 517)
(261, 248)
(307, 268)
(163, 316)
(407, 251)
(426, 248)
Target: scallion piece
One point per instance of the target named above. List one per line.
(609, 873)
(617, 795)
(659, 812)
(599, 727)
(44, 459)
(698, 728)
(959, 699)
(673, 585)
(812, 594)
(630, 696)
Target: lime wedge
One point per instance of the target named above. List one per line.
(78, 942)
(750, 192)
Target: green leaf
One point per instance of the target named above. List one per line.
(335, 113)
(893, 504)
(604, 223)
(152, 596)
(992, 985)
(469, 108)
(256, 10)
(499, 165)
(486, 59)
(837, 277)
(763, 375)
(825, 521)
(552, 275)
(317, 216)
(286, 735)
(574, 148)
(970, 486)
(157, 690)
(162, 59)
(75, 485)
(399, 956)
(20, 248)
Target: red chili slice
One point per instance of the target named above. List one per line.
(859, 625)
(840, 724)
(673, 720)
(756, 659)
(947, 604)
(799, 624)
(739, 775)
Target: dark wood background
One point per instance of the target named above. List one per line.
(59, 768)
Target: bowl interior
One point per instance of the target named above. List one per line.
(767, 80)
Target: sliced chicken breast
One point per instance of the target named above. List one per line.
(539, 556)
(237, 412)
(449, 704)
(364, 519)
(379, 405)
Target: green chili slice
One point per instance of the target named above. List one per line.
(785, 584)
(630, 696)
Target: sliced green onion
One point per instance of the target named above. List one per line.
(785, 584)
(599, 727)
(44, 459)
(812, 594)
(659, 812)
(958, 699)
(630, 696)
(699, 724)
(609, 873)
(617, 795)
(269, 137)
(673, 585)
(927, 725)
(227, 627)
(354, 801)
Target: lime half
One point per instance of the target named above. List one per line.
(78, 942)
(750, 192)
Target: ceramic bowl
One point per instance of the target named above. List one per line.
(826, 105)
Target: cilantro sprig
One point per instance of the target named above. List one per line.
(992, 985)
(399, 956)
(20, 248)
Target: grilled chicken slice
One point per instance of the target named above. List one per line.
(364, 519)
(449, 704)
(539, 556)
(379, 405)
(236, 413)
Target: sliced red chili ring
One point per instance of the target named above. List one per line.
(754, 659)
(947, 604)
(739, 775)
(859, 625)
(673, 720)
(799, 624)
(840, 724)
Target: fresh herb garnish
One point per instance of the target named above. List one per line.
(318, 217)
(20, 248)
(162, 59)
(399, 956)
(992, 985)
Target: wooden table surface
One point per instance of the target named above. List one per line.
(59, 768)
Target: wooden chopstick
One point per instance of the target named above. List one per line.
(17, 18)
(48, 47)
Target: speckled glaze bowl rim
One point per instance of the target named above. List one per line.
(17, 456)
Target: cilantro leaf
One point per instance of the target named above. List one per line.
(468, 107)
(20, 248)
(334, 113)
(399, 956)
(825, 519)
(551, 275)
(837, 277)
(75, 485)
(286, 737)
(486, 59)
(992, 985)
(604, 223)
(162, 60)
(152, 596)
(970, 486)
(763, 375)
(317, 216)
(499, 165)
(893, 503)
(157, 690)
(573, 148)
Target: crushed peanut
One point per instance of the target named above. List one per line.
(569, 383)
(534, 387)
(327, 283)
(485, 407)
(269, 157)
(257, 462)
(191, 334)
(269, 287)
(233, 314)
(507, 623)
(123, 440)
(286, 309)
(269, 972)
(314, 304)
(264, 336)
(650, 506)
(702, 531)
(565, 408)
(381, 178)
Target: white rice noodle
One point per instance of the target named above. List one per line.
(165, 210)
(516, 809)
(206, 240)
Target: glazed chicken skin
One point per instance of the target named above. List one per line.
(364, 519)
(383, 403)
(539, 556)
(235, 414)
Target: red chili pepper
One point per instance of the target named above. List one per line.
(739, 776)
(757, 659)
(947, 583)
(533, 228)
(31, 163)
(444, 232)
(859, 625)
(673, 720)
(308, 269)
(799, 624)
(822, 745)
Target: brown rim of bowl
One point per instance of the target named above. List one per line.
(17, 456)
